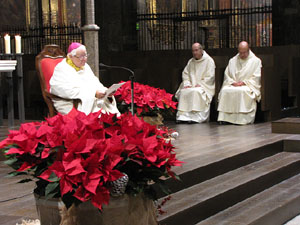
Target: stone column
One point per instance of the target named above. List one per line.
(90, 35)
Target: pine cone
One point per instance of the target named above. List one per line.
(118, 187)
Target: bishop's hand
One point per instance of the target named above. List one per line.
(99, 94)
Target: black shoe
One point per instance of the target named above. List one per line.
(183, 121)
(191, 122)
(223, 123)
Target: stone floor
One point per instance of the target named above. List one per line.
(16, 199)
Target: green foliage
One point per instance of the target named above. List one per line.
(142, 176)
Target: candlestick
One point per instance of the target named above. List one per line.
(7, 44)
(18, 43)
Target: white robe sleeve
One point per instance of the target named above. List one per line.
(208, 80)
(229, 77)
(254, 81)
(186, 76)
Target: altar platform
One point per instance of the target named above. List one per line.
(210, 151)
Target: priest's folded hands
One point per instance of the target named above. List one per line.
(238, 84)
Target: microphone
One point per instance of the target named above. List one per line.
(117, 67)
(103, 65)
(131, 78)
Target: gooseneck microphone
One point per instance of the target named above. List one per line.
(131, 78)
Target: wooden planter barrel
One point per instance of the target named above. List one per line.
(125, 210)
(153, 120)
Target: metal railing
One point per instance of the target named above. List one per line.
(222, 28)
(35, 38)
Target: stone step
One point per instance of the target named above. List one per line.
(275, 206)
(289, 125)
(200, 201)
(220, 167)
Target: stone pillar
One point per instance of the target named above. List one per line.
(90, 35)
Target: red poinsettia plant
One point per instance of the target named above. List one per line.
(147, 99)
(76, 156)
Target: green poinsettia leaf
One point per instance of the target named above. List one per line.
(164, 187)
(10, 161)
(53, 177)
(51, 190)
(51, 195)
(15, 173)
(177, 177)
(39, 169)
(7, 147)
(34, 169)
(174, 175)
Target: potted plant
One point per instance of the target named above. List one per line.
(148, 101)
(76, 158)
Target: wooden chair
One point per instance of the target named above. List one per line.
(45, 63)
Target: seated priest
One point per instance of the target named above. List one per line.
(241, 88)
(197, 88)
(73, 79)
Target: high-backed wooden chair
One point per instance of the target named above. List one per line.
(45, 63)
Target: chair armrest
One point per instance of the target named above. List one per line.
(52, 96)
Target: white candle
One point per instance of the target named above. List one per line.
(7, 44)
(18, 43)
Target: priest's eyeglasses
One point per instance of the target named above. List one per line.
(82, 57)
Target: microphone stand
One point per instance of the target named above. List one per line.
(131, 78)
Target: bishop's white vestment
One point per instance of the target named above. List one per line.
(238, 105)
(70, 84)
(194, 102)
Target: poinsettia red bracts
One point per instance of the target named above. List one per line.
(84, 151)
(146, 98)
